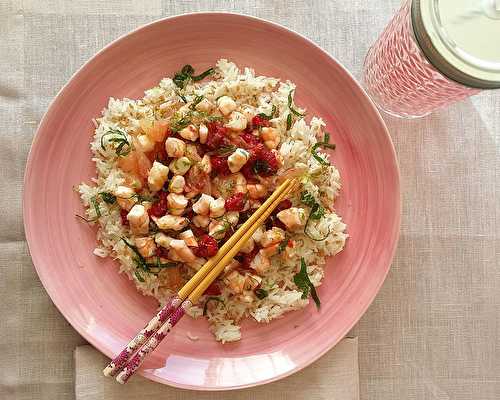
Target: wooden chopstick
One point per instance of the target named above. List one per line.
(226, 259)
(150, 345)
(161, 317)
(208, 266)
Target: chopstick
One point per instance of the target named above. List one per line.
(153, 341)
(165, 312)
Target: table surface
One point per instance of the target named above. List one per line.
(433, 330)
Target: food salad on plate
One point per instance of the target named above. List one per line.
(178, 171)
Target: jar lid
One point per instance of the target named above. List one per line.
(461, 38)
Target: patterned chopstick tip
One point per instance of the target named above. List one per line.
(129, 363)
(119, 362)
(136, 361)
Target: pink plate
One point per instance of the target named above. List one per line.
(104, 307)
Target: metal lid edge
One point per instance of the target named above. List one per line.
(438, 60)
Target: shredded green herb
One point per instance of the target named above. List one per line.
(261, 166)
(196, 101)
(86, 219)
(139, 276)
(282, 245)
(290, 103)
(317, 212)
(203, 75)
(324, 143)
(143, 197)
(180, 123)
(308, 199)
(303, 282)
(141, 261)
(213, 118)
(270, 116)
(185, 75)
(261, 293)
(183, 98)
(95, 204)
(182, 78)
(205, 307)
(226, 150)
(117, 136)
(153, 228)
(108, 197)
(226, 226)
(138, 255)
(289, 121)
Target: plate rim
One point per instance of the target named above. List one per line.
(396, 228)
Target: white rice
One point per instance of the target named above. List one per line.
(323, 182)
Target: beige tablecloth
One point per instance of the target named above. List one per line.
(334, 377)
(432, 332)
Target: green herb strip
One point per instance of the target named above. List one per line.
(290, 102)
(141, 261)
(289, 121)
(180, 123)
(227, 226)
(270, 116)
(213, 118)
(95, 204)
(226, 150)
(139, 276)
(301, 279)
(86, 219)
(308, 199)
(325, 144)
(261, 166)
(261, 293)
(185, 75)
(205, 307)
(196, 101)
(120, 138)
(203, 75)
(282, 245)
(317, 212)
(308, 234)
(108, 197)
(141, 198)
(153, 228)
(183, 98)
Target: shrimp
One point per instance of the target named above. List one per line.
(256, 191)
(225, 186)
(260, 263)
(138, 219)
(146, 246)
(182, 250)
(197, 180)
(293, 218)
(272, 236)
(235, 282)
(271, 137)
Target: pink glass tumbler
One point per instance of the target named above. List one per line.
(434, 53)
